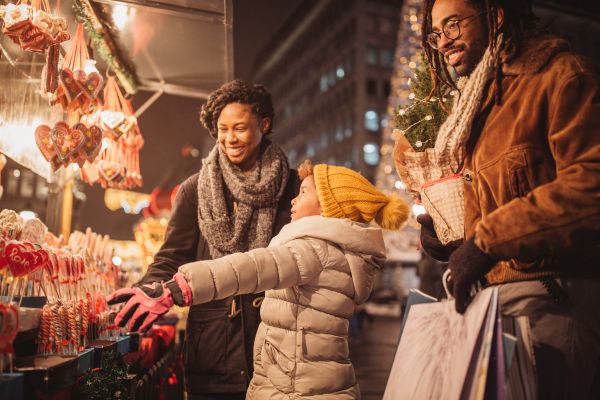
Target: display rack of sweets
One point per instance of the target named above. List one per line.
(75, 277)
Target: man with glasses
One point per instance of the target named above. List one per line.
(530, 154)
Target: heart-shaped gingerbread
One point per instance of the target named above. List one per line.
(109, 170)
(72, 88)
(93, 142)
(125, 126)
(66, 141)
(44, 142)
(111, 119)
(90, 83)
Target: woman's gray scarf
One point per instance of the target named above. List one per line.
(256, 197)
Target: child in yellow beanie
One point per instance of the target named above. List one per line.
(344, 193)
(314, 272)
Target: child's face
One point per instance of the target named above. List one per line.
(307, 201)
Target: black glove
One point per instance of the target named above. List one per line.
(430, 242)
(468, 265)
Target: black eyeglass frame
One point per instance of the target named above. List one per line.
(436, 36)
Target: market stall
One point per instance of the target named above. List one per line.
(68, 74)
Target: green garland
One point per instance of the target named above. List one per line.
(106, 382)
(421, 120)
(96, 26)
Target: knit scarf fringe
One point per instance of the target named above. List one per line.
(256, 197)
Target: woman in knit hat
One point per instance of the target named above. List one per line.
(314, 272)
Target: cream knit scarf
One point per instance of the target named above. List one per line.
(255, 196)
(455, 131)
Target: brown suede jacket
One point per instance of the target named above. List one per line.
(532, 171)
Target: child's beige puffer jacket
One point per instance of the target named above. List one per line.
(313, 272)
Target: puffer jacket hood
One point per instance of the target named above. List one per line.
(356, 239)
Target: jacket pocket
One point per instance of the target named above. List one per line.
(273, 356)
(206, 345)
(519, 183)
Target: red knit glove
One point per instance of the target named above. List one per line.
(144, 305)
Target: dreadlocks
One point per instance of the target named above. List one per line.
(519, 22)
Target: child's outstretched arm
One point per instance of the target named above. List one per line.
(278, 267)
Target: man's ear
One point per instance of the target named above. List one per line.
(265, 124)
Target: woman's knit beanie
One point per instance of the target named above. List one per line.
(344, 193)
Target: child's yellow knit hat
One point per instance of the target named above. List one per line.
(344, 193)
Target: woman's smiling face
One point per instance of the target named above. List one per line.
(240, 132)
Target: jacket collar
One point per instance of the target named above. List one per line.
(535, 53)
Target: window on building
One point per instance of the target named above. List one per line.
(387, 57)
(384, 120)
(323, 83)
(348, 63)
(324, 141)
(371, 153)
(371, 23)
(371, 55)
(310, 149)
(371, 121)
(387, 89)
(371, 87)
(386, 26)
(339, 134)
(292, 156)
(331, 78)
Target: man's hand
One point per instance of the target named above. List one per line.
(144, 305)
(467, 265)
(430, 242)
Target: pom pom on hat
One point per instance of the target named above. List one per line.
(344, 193)
(393, 214)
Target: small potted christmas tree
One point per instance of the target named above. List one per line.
(422, 160)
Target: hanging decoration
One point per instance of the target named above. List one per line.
(99, 32)
(80, 82)
(32, 26)
(118, 163)
(64, 144)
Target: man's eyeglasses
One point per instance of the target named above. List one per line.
(451, 30)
